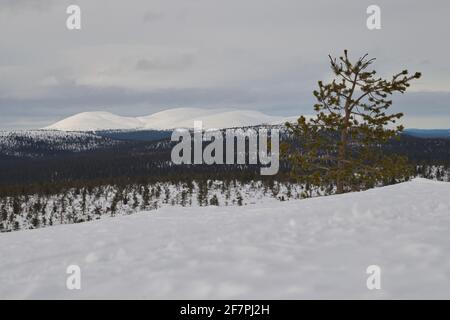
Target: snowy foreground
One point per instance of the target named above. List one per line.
(315, 248)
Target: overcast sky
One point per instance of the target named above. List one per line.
(137, 57)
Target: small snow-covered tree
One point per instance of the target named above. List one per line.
(214, 201)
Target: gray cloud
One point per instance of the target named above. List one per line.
(151, 16)
(69, 97)
(135, 59)
(26, 4)
(176, 63)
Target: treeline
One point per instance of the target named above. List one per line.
(80, 204)
(131, 162)
(43, 143)
(52, 204)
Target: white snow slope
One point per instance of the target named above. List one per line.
(168, 119)
(91, 121)
(315, 248)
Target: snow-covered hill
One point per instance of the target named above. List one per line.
(314, 248)
(168, 119)
(91, 121)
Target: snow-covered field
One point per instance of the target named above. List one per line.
(313, 248)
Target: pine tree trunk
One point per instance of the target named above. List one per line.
(341, 158)
(342, 153)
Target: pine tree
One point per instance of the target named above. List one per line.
(239, 199)
(166, 194)
(341, 145)
(145, 198)
(98, 212)
(184, 194)
(43, 213)
(17, 207)
(135, 200)
(157, 191)
(63, 208)
(289, 191)
(125, 198)
(83, 201)
(3, 216)
(3, 211)
(214, 201)
(53, 213)
(115, 201)
(202, 195)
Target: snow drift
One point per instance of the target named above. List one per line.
(314, 248)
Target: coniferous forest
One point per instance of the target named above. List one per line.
(84, 177)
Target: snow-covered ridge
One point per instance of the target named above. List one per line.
(44, 135)
(36, 142)
(166, 120)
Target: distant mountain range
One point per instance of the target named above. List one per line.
(185, 117)
(166, 120)
(428, 133)
(34, 156)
